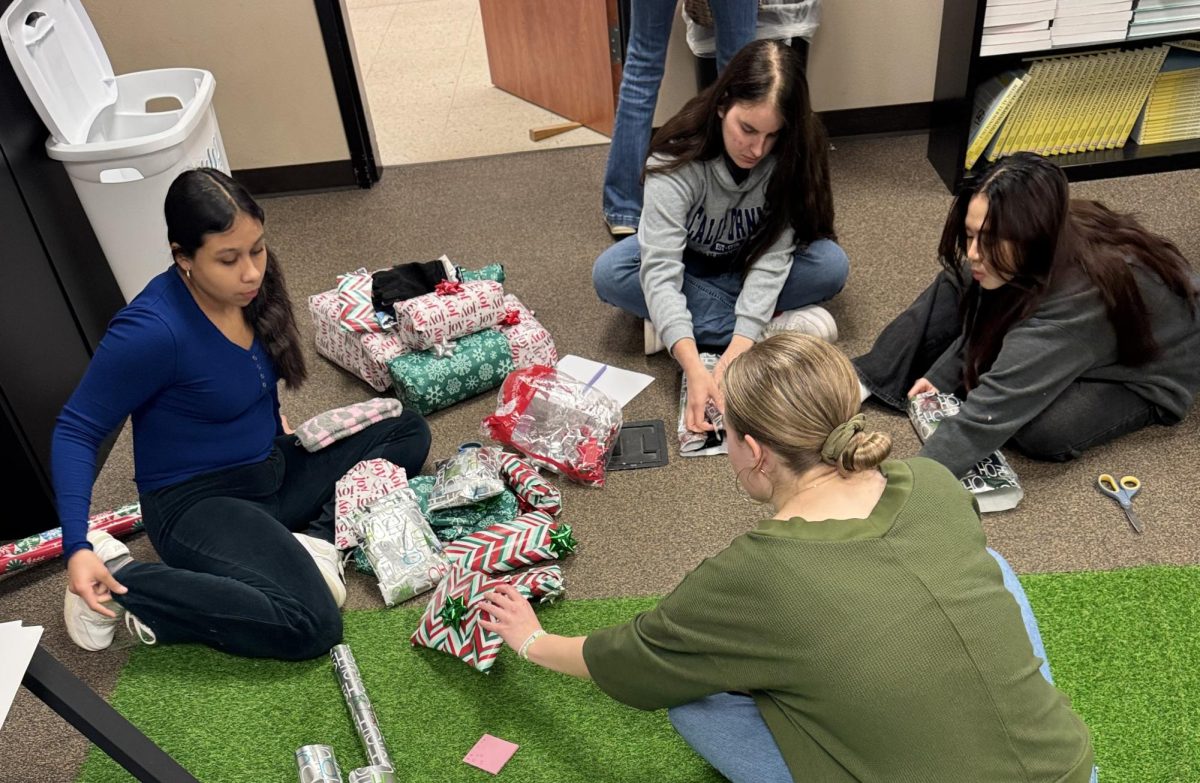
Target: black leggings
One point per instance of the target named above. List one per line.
(232, 575)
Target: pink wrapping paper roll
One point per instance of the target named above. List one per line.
(531, 342)
(39, 548)
(440, 318)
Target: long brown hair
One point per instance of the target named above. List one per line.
(205, 201)
(799, 194)
(1034, 235)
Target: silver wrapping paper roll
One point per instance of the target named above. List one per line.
(359, 703)
(317, 764)
(372, 775)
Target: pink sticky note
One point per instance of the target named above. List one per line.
(491, 753)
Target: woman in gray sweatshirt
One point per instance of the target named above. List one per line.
(1064, 323)
(737, 223)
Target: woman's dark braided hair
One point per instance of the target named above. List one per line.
(206, 201)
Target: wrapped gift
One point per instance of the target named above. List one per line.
(530, 538)
(25, 552)
(992, 480)
(347, 349)
(560, 423)
(403, 552)
(367, 482)
(454, 310)
(427, 382)
(329, 427)
(451, 620)
(490, 272)
(454, 523)
(530, 342)
(533, 491)
(356, 313)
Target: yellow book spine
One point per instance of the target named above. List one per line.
(993, 123)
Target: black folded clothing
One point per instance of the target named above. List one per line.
(405, 281)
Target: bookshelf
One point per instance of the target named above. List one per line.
(961, 69)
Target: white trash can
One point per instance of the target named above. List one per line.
(120, 152)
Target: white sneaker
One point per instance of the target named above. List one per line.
(105, 546)
(329, 561)
(650, 339)
(812, 320)
(88, 628)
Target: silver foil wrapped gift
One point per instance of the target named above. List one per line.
(400, 546)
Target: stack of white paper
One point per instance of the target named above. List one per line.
(1165, 17)
(1080, 22)
(17, 645)
(1016, 26)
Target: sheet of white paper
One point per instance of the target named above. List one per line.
(621, 385)
(17, 644)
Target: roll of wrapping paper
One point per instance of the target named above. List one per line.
(23, 553)
(317, 764)
(359, 704)
(372, 775)
(426, 382)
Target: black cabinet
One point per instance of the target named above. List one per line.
(960, 70)
(57, 295)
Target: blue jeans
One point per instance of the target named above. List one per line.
(645, 60)
(232, 575)
(729, 732)
(818, 273)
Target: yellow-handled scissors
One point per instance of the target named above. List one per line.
(1122, 491)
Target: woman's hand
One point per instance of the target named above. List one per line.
(701, 387)
(90, 580)
(283, 423)
(512, 616)
(922, 386)
(737, 346)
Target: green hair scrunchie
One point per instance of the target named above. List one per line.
(837, 441)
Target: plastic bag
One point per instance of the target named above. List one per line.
(471, 475)
(560, 423)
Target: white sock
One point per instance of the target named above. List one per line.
(863, 392)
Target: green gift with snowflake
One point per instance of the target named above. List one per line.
(426, 381)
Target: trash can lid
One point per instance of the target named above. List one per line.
(61, 63)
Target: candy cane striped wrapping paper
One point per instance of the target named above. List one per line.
(506, 546)
(451, 620)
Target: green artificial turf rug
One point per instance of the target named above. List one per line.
(1121, 643)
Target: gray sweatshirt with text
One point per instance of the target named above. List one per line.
(699, 210)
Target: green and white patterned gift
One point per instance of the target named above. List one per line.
(453, 523)
(427, 382)
(489, 272)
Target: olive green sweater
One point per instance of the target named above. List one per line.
(878, 649)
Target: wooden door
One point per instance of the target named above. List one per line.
(562, 55)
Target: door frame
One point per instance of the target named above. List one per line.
(334, 20)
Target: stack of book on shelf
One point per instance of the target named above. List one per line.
(1016, 26)
(1064, 104)
(1165, 17)
(1172, 112)
(1081, 22)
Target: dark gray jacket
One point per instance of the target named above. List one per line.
(1068, 338)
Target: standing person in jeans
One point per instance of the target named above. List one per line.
(738, 223)
(861, 633)
(239, 512)
(641, 77)
(1065, 324)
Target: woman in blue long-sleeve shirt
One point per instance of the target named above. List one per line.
(239, 513)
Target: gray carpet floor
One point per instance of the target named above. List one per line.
(538, 213)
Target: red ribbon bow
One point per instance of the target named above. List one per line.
(447, 287)
(512, 317)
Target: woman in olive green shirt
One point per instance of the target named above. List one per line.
(865, 631)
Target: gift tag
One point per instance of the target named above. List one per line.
(491, 753)
(640, 444)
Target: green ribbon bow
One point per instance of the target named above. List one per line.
(562, 543)
(454, 610)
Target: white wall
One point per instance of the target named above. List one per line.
(275, 101)
(865, 53)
